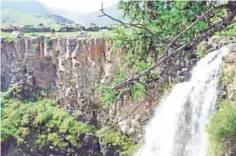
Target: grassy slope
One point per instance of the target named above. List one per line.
(12, 16)
(9, 16)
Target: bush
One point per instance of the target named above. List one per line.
(116, 138)
(43, 120)
(222, 127)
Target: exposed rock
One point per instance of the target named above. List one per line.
(89, 146)
(228, 85)
(229, 75)
(230, 58)
(110, 150)
(69, 68)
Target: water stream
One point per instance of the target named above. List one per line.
(178, 127)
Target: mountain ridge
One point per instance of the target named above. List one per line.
(29, 12)
(34, 12)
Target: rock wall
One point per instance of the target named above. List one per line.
(69, 68)
(228, 84)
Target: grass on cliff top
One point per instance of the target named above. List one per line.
(53, 125)
(10, 37)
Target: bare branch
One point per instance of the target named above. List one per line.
(163, 57)
(138, 25)
(214, 28)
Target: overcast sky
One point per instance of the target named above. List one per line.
(79, 5)
(76, 5)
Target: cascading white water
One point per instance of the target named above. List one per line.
(178, 126)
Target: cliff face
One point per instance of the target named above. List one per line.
(228, 83)
(67, 67)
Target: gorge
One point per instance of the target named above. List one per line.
(159, 82)
(68, 69)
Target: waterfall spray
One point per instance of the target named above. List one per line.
(178, 126)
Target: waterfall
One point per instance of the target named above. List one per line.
(178, 127)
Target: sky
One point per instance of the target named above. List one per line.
(76, 5)
(79, 5)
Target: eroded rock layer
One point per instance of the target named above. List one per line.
(67, 67)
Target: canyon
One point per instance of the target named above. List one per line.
(68, 70)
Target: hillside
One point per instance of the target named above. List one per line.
(29, 12)
(34, 7)
(34, 12)
(17, 17)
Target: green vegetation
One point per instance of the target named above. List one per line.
(55, 127)
(43, 124)
(222, 127)
(116, 138)
(200, 52)
(229, 31)
(223, 122)
(13, 16)
(8, 37)
(108, 95)
(155, 23)
(18, 17)
(154, 31)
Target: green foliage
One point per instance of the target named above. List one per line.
(116, 138)
(139, 91)
(156, 23)
(201, 53)
(8, 37)
(223, 123)
(163, 19)
(54, 126)
(132, 149)
(22, 18)
(231, 31)
(222, 127)
(108, 95)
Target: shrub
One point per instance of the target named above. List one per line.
(50, 125)
(222, 127)
(116, 138)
